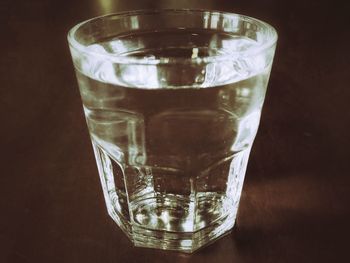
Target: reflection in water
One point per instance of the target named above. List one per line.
(120, 133)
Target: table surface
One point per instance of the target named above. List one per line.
(294, 206)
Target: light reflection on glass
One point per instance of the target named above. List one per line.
(134, 22)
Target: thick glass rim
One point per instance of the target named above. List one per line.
(122, 59)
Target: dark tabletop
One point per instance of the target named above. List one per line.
(295, 202)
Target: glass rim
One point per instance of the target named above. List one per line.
(122, 59)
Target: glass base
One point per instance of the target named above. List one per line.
(186, 242)
(167, 215)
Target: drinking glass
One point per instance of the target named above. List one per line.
(172, 100)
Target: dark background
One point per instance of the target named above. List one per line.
(295, 202)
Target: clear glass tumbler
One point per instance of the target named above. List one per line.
(172, 100)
